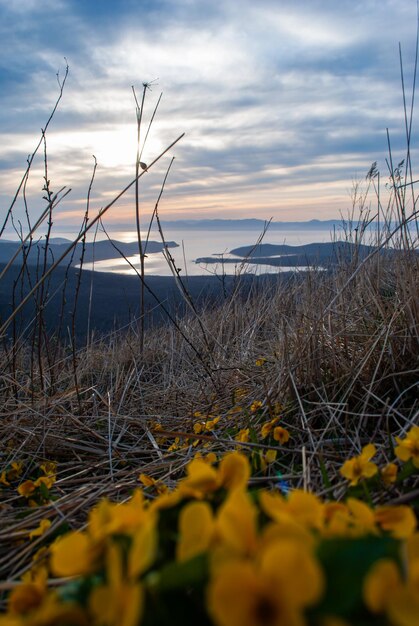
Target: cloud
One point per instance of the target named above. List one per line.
(283, 103)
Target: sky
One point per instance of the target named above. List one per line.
(284, 103)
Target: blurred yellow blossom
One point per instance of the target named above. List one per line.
(72, 555)
(236, 525)
(360, 466)
(299, 507)
(119, 602)
(382, 581)
(30, 594)
(202, 478)
(400, 521)
(196, 529)
(408, 447)
(272, 592)
(386, 592)
(389, 473)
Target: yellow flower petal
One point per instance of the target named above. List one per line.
(143, 549)
(72, 555)
(295, 571)
(196, 529)
(236, 523)
(400, 521)
(234, 470)
(381, 582)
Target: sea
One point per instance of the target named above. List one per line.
(197, 243)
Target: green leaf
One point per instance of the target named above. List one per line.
(180, 575)
(346, 563)
(44, 491)
(323, 471)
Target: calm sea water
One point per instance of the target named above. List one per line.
(198, 243)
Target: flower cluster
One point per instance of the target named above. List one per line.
(214, 552)
(33, 484)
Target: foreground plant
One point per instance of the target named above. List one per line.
(214, 552)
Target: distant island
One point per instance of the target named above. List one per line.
(324, 255)
(97, 251)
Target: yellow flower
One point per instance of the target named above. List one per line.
(210, 458)
(389, 473)
(16, 469)
(300, 507)
(267, 427)
(48, 481)
(111, 518)
(360, 466)
(201, 478)
(240, 393)
(175, 445)
(380, 584)
(198, 428)
(211, 424)
(281, 435)
(149, 481)
(270, 456)
(49, 468)
(73, 555)
(272, 592)
(363, 519)
(3, 478)
(29, 595)
(400, 521)
(255, 406)
(233, 471)
(259, 362)
(50, 611)
(120, 601)
(408, 448)
(26, 488)
(41, 529)
(243, 435)
(387, 591)
(196, 530)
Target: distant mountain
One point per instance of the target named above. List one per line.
(249, 224)
(98, 251)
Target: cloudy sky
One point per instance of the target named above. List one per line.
(284, 102)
